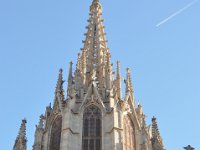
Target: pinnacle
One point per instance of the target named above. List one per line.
(21, 139)
(70, 78)
(59, 92)
(154, 125)
(22, 131)
(155, 130)
(118, 76)
(129, 86)
(59, 86)
(41, 121)
(156, 138)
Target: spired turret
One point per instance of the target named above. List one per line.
(93, 66)
(21, 140)
(39, 134)
(59, 99)
(157, 143)
(93, 60)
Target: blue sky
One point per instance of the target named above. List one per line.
(38, 37)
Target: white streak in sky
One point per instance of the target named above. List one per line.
(176, 13)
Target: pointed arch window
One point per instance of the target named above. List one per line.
(91, 136)
(56, 134)
(129, 134)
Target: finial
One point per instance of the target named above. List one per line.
(95, 5)
(60, 73)
(24, 120)
(154, 119)
(128, 71)
(41, 122)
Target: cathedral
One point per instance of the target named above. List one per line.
(93, 115)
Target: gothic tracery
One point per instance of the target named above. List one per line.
(91, 138)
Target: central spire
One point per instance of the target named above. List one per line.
(94, 57)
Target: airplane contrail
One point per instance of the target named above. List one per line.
(176, 13)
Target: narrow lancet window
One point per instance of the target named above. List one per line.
(129, 134)
(56, 134)
(91, 129)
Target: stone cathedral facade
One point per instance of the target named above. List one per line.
(93, 115)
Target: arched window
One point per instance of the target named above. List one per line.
(56, 134)
(129, 134)
(91, 136)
